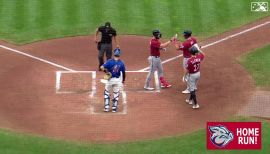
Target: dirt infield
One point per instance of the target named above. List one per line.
(29, 102)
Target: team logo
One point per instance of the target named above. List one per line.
(220, 135)
(116, 68)
(259, 6)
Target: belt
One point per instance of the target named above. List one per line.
(195, 72)
(105, 42)
(156, 56)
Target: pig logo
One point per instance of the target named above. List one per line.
(220, 135)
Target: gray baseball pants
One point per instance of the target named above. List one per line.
(155, 65)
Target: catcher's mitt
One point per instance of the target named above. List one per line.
(108, 75)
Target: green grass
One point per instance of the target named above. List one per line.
(258, 63)
(24, 21)
(14, 143)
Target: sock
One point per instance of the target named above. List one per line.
(193, 96)
(163, 81)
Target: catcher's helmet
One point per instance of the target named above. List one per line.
(187, 32)
(157, 34)
(193, 50)
(117, 52)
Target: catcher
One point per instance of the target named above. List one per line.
(113, 69)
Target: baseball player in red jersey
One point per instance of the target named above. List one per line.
(193, 74)
(155, 61)
(185, 46)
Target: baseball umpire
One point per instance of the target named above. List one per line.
(105, 44)
(115, 74)
(193, 74)
(185, 46)
(155, 61)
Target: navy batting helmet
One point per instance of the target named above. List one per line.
(193, 50)
(187, 32)
(157, 34)
(117, 52)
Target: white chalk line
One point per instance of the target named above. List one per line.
(94, 87)
(68, 70)
(37, 58)
(215, 42)
(91, 109)
(141, 70)
(58, 82)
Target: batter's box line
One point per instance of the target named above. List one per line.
(157, 89)
(93, 91)
(58, 82)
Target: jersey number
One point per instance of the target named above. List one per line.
(196, 67)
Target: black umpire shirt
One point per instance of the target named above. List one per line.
(107, 34)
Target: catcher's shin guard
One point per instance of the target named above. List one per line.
(115, 99)
(106, 99)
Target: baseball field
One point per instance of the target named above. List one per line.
(52, 100)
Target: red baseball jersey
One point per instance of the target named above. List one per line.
(186, 45)
(194, 63)
(154, 47)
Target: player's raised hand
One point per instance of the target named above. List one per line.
(175, 38)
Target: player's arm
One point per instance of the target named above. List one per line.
(186, 71)
(116, 41)
(178, 45)
(163, 45)
(115, 37)
(96, 35)
(201, 52)
(124, 74)
(103, 69)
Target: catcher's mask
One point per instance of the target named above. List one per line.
(187, 33)
(117, 52)
(157, 34)
(193, 50)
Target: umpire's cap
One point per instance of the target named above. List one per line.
(193, 50)
(107, 24)
(117, 52)
(187, 32)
